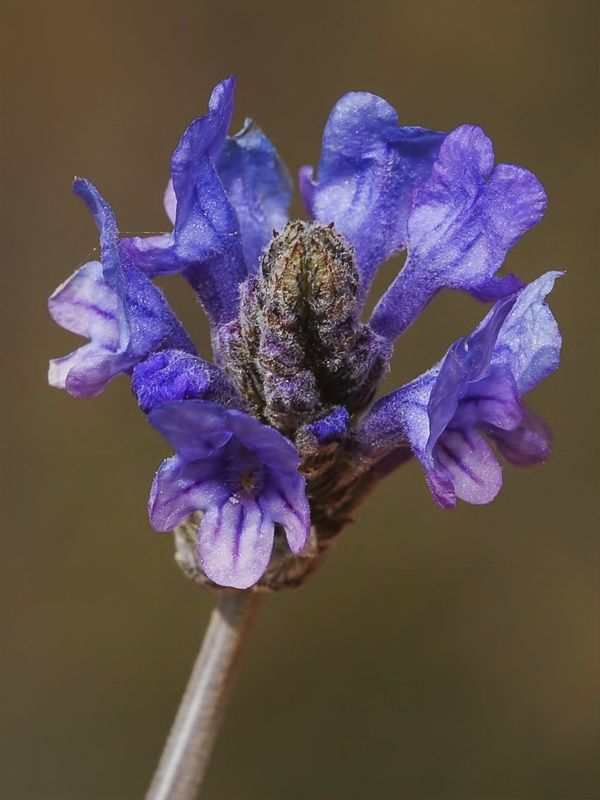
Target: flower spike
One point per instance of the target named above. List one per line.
(278, 441)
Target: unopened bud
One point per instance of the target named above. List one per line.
(299, 349)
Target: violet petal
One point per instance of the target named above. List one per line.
(462, 222)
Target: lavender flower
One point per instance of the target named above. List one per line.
(368, 169)
(225, 197)
(461, 223)
(244, 476)
(475, 391)
(123, 314)
(280, 433)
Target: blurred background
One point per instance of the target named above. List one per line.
(436, 655)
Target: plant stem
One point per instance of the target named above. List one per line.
(189, 746)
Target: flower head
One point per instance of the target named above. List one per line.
(279, 439)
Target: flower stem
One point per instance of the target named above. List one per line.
(190, 743)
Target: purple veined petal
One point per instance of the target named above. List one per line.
(470, 463)
(146, 317)
(258, 186)
(143, 306)
(462, 222)
(269, 445)
(441, 486)
(180, 489)
(173, 375)
(367, 171)
(235, 540)
(457, 462)
(526, 445)
(476, 387)
(284, 501)
(493, 400)
(529, 341)
(85, 305)
(193, 428)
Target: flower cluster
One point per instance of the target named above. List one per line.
(278, 439)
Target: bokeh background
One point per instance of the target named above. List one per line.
(436, 655)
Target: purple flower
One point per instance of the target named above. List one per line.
(114, 305)
(225, 196)
(280, 432)
(367, 171)
(245, 478)
(461, 223)
(475, 391)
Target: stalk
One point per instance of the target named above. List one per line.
(188, 749)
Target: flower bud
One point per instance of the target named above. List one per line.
(298, 348)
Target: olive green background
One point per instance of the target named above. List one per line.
(436, 655)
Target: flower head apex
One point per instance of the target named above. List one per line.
(242, 475)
